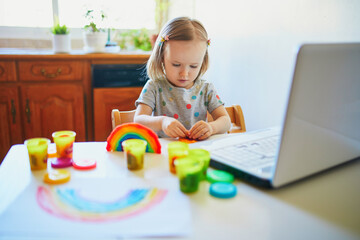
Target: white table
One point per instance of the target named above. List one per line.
(326, 206)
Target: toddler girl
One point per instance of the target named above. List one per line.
(175, 100)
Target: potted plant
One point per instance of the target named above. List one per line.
(95, 36)
(61, 39)
(135, 39)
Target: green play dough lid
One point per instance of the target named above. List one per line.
(219, 176)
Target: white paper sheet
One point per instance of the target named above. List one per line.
(106, 208)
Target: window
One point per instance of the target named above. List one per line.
(121, 14)
(32, 19)
(17, 13)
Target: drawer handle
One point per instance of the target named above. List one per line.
(13, 111)
(50, 75)
(27, 111)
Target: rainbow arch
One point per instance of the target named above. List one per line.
(69, 204)
(133, 131)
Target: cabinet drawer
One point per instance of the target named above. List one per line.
(50, 70)
(7, 71)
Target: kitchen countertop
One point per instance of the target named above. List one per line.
(14, 53)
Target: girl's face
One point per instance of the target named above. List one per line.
(183, 60)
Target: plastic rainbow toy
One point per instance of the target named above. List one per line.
(133, 131)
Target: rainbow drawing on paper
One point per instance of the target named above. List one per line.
(68, 203)
(133, 131)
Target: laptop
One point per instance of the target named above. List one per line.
(321, 128)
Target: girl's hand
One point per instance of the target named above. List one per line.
(201, 130)
(173, 128)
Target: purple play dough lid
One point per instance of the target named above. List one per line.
(61, 162)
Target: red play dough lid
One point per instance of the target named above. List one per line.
(84, 164)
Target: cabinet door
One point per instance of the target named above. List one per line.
(106, 99)
(10, 126)
(50, 108)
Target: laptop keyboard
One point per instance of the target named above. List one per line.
(254, 154)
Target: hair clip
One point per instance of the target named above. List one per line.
(163, 39)
(208, 42)
(166, 38)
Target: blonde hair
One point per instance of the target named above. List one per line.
(183, 29)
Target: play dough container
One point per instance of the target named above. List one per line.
(38, 152)
(64, 141)
(134, 150)
(189, 172)
(203, 156)
(176, 150)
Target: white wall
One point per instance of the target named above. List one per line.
(254, 42)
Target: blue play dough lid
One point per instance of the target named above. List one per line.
(223, 190)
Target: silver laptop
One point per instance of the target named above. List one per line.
(321, 127)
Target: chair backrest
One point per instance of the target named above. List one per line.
(120, 117)
(235, 113)
(237, 119)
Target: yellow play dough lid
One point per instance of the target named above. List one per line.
(57, 176)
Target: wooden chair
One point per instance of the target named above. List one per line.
(236, 117)
(235, 113)
(120, 117)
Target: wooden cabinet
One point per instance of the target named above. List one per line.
(44, 92)
(106, 99)
(39, 98)
(10, 120)
(52, 97)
